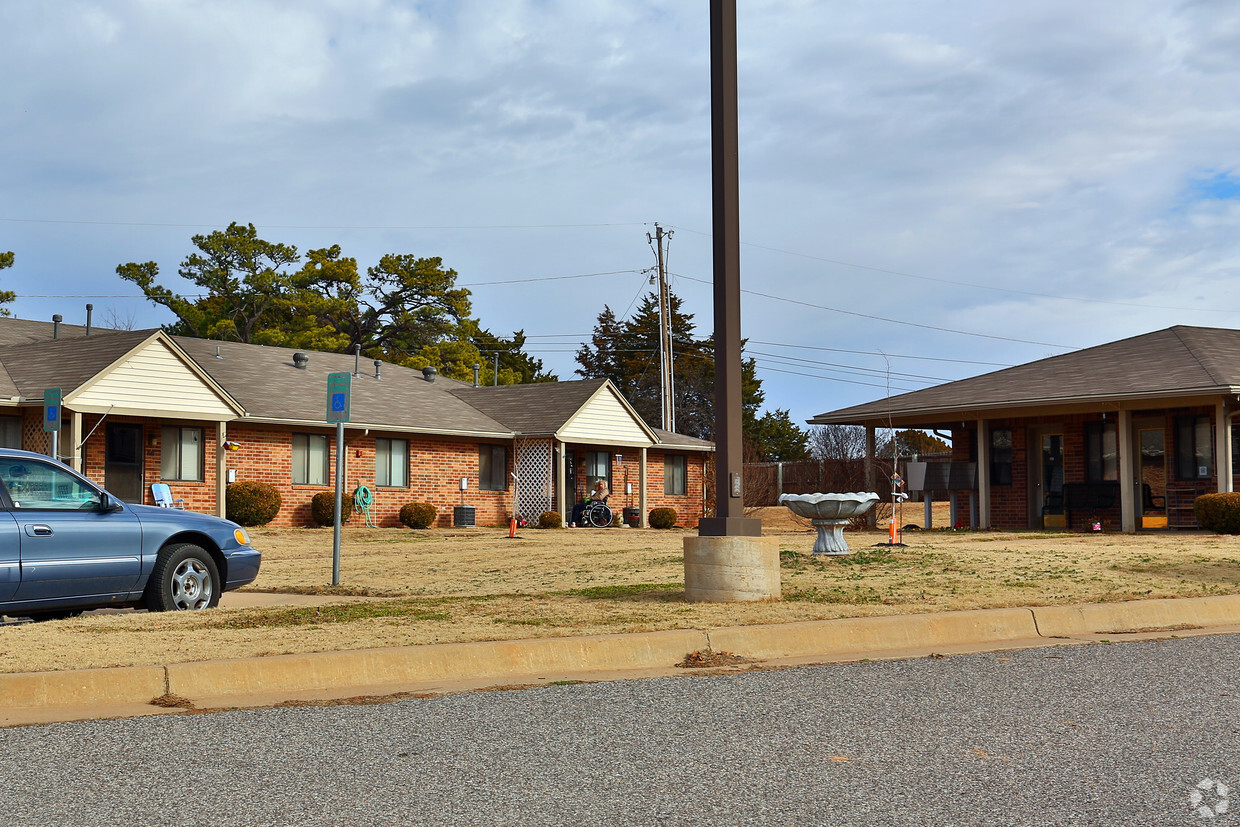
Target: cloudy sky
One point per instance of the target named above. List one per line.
(929, 190)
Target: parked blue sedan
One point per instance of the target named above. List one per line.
(67, 545)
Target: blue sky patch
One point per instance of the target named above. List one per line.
(1220, 186)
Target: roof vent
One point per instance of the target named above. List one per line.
(56, 320)
(301, 360)
(477, 367)
(428, 373)
(89, 309)
(378, 364)
(218, 355)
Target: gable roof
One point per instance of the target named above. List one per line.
(539, 408)
(1179, 361)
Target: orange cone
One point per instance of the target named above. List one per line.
(892, 530)
(512, 527)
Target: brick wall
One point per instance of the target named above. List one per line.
(435, 470)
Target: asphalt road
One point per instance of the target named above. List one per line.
(1119, 734)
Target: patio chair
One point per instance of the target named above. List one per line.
(163, 496)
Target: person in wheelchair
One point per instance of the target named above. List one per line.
(593, 510)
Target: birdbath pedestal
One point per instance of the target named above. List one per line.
(829, 513)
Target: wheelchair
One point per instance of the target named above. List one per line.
(596, 513)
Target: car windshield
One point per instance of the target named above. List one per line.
(37, 485)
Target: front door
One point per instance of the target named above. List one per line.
(1151, 482)
(122, 468)
(1046, 505)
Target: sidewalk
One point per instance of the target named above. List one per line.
(446, 668)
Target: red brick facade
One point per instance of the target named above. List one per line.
(434, 471)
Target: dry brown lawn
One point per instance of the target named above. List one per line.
(477, 584)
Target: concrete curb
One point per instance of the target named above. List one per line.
(91, 691)
(1137, 616)
(441, 662)
(874, 635)
(37, 690)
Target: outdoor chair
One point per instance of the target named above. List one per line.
(163, 496)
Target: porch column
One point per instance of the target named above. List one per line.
(561, 466)
(641, 482)
(1222, 427)
(983, 474)
(870, 450)
(221, 468)
(76, 461)
(1129, 485)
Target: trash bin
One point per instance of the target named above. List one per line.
(462, 516)
(632, 517)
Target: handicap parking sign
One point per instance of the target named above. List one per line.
(338, 397)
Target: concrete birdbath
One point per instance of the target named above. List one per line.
(829, 514)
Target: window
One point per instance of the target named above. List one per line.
(181, 453)
(674, 475)
(1101, 452)
(391, 463)
(10, 432)
(493, 467)
(598, 467)
(1193, 451)
(310, 459)
(1001, 456)
(33, 485)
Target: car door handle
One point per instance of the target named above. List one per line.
(39, 530)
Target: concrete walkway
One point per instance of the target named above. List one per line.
(445, 668)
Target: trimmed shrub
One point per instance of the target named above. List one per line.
(251, 503)
(550, 519)
(418, 515)
(662, 517)
(323, 507)
(1219, 513)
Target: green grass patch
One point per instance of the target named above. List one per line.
(622, 592)
(319, 615)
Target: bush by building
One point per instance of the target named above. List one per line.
(251, 503)
(418, 515)
(323, 507)
(1219, 513)
(662, 517)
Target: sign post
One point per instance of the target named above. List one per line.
(338, 412)
(52, 417)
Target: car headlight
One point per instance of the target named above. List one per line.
(241, 537)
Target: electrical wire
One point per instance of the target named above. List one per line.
(892, 321)
(327, 227)
(969, 284)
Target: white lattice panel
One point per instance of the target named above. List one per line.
(534, 489)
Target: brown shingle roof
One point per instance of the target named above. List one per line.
(265, 382)
(1178, 361)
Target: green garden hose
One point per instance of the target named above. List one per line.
(362, 498)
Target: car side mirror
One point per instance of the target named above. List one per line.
(107, 503)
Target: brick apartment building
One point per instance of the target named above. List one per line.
(141, 407)
(1125, 435)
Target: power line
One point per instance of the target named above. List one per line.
(968, 283)
(880, 353)
(892, 321)
(793, 360)
(325, 227)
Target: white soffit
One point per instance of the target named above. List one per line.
(152, 381)
(605, 420)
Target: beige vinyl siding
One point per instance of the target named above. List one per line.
(152, 381)
(604, 420)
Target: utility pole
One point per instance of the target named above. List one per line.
(667, 382)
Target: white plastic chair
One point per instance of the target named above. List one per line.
(163, 496)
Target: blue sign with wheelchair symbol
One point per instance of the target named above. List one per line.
(338, 397)
(51, 409)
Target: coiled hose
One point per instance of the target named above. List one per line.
(362, 498)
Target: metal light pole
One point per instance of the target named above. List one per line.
(729, 519)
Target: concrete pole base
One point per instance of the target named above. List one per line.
(731, 569)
